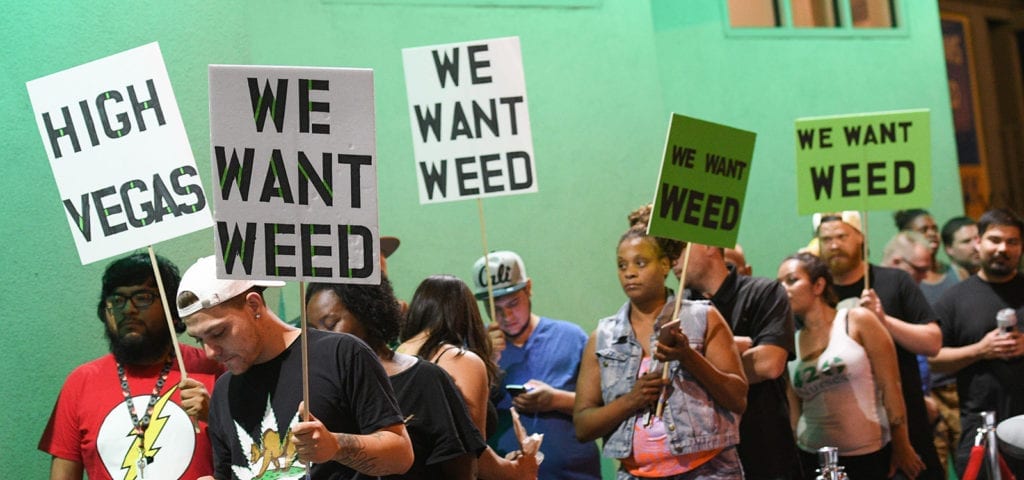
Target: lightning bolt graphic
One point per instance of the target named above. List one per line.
(156, 426)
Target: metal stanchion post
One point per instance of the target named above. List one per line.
(828, 462)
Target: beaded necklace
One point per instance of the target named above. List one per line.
(140, 426)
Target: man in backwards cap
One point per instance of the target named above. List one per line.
(256, 419)
(542, 355)
(126, 414)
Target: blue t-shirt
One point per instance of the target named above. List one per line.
(552, 355)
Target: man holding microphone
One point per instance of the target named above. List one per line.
(982, 342)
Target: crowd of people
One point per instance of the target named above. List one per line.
(735, 377)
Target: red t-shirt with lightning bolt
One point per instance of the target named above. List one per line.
(91, 424)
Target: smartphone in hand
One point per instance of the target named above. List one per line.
(515, 390)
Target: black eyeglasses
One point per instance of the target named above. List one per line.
(141, 299)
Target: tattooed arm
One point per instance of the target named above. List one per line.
(384, 452)
(868, 331)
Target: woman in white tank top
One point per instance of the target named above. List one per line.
(844, 384)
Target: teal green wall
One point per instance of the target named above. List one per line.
(602, 77)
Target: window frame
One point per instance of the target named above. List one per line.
(845, 29)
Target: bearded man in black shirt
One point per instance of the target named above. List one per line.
(987, 360)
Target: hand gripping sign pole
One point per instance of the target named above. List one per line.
(112, 323)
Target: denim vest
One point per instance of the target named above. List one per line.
(694, 421)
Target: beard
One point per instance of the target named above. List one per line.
(998, 266)
(840, 264)
(138, 349)
(843, 260)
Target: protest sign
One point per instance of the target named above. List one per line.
(702, 183)
(119, 154)
(295, 165)
(469, 118)
(867, 161)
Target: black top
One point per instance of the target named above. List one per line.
(251, 415)
(759, 308)
(902, 299)
(437, 420)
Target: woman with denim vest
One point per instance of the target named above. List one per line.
(844, 383)
(620, 378)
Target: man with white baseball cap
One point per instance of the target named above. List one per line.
(902, 309)
(540, 358)
(255, 420)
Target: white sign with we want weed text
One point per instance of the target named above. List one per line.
(117, 146)
(470, 123)
(294, 156)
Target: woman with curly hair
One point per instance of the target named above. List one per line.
(621, 381)
(445, 441)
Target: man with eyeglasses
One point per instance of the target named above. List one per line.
(540, 358)
(902, 309)
(127, 413)
(908, 251)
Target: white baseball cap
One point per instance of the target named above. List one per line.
(200, 280)
(849, 217)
